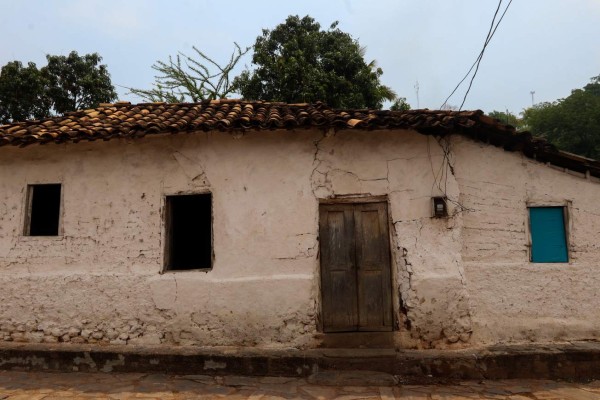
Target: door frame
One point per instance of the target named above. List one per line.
(393, 270)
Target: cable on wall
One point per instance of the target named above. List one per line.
(446, 166)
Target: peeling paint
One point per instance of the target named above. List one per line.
(86, 360)
(110, 364)
(210, 364)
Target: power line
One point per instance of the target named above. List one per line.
(478, 57)
(482, 51)
(475, 65)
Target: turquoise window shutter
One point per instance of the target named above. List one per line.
(548, 238)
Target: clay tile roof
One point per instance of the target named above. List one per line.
(125, 120)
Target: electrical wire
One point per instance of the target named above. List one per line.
(484, 47)
(478, 57)
(493, 27)
(446, 165)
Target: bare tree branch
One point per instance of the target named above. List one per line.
(186, 78)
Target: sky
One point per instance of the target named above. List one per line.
(544, 46)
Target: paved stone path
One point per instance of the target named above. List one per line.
(48, 386)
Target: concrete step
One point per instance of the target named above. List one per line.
(573, 361)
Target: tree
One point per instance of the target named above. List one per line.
(594, 86)
(299, 62)
(76, 82)
(573, 123)
(400, 104)
(22, 93)
(507, 118)
(64, 84)
(191, 80)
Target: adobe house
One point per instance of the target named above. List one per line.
(270, 225)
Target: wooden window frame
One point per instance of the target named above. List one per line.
(26, 232)
(567, 206)
(166, 232)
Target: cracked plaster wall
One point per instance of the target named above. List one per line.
(100, 281)
(432, 301)
(514, 300)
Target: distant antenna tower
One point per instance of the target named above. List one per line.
(417, 90)
(532, 93)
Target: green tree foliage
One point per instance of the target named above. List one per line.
(76, 82)
(400, 104)
(22, 93)
(187, 79)
(593, 87)
(299, 62)
(507, 118)
(572, 123)
(64, 84)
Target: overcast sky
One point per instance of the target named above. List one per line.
(546, 46)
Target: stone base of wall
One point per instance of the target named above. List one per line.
(572, 361)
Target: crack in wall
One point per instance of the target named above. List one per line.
(332, 170)
(463, 280)
(308, 253)
(321, 175)
(176, 289)
(316, 183)
(447, 164)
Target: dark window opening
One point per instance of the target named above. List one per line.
(189, 232)
(44, 210)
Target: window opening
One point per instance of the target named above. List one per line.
(189, 232)
(44, 210)
(548, 234)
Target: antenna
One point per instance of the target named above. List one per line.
(532, 93)
(417, 90)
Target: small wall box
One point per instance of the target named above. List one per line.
(440, 209)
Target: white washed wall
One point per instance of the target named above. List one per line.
(513, 299)
(462, 281)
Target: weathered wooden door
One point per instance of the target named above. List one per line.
(355, 267)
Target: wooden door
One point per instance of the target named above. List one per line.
(355, 267)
